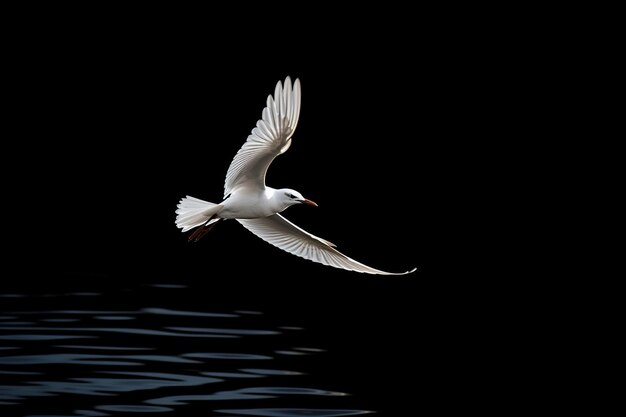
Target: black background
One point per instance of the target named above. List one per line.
(112, 132)
(113, 127)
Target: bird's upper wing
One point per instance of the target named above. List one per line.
(270, 138)
(285, 235)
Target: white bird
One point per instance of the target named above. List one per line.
(256, 206)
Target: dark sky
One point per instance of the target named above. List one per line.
(114, 128)
(115, 137)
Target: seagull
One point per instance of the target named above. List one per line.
(255, 205)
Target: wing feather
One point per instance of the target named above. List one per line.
(285, 235)
(270, 138)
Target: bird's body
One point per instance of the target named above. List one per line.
(256, 206)
(246, 203)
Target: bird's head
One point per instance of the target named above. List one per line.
(287, 197)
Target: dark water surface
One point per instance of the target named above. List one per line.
(171, 348)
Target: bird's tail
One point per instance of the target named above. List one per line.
(193, 212)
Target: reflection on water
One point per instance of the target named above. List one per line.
(151, 358)
(293, 412)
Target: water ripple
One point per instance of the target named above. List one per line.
(133, 408)
(291, 352)
(89, 413)
(154, 359)
(114, 317)
(224, 331)
(293, 412)
(168, 312)
(85, 359)
(3, 372)
(137, 381)
(26, 337)
(242, 394)
(269, 372)
(176, 286)
(59, 320)
(128, 330)
(62, 358)
(231, 375)
(291, 391)
(103, 347)
(226, 355)
(146, 310)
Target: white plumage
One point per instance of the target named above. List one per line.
(257, 206)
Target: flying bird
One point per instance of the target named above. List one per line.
(255, 205)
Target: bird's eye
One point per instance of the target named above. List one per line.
(292, 196)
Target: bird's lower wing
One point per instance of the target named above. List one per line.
(285, 235)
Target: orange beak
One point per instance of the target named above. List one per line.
(309, 203)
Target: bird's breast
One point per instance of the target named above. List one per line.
(246, 206)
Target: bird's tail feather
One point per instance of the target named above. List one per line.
(193, 212)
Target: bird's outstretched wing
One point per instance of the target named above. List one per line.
(270, 138)
(285, 235)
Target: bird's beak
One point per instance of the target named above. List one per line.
(309, 202)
